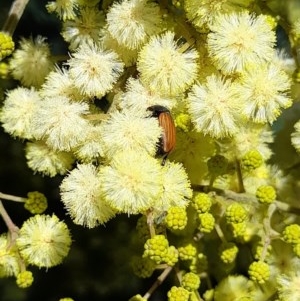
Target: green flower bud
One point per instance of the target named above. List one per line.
(202, 202)
(259, 271)
(207, 222)
(156, 248)
(36, 202)
(176, 218)
(251, 160)
(291, 234)
(178, 294)
(266, 194)
(235, 213)
(7, 45)
(187, 252)
(190, 281)
(24, 279)
(183, 122)
(137, 298)
(228, 252)
(171, 257)
(217, 165)
(296, 249)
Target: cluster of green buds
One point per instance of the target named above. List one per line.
(7, 45)
(236, 216)
(251, 160)
(291, 234)
(202, 202)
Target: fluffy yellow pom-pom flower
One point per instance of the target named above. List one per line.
(132, 182)
(132, 22)
(164, 67)
(81, 195)
(44, 241)
(176, 188)
(94, 69)
(240, 39)
(31, 55)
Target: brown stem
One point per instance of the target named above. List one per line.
(160, 279)
(220, 233)
(150, 223)
(13, 229)
(241, 187)
(13, 198)
(287, 207)
(268, 231)
(211, 182)
(198, 296)
(14, 16)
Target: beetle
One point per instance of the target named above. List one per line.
(168, 139)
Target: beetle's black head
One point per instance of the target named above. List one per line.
(157, 110)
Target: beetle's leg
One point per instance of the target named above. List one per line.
(164, 158)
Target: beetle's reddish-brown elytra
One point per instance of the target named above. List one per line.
(168, 139)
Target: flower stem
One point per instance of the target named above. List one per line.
(268, 231)
(13, 229)
(160, 279)
(14, 16)
(287, 207)
(220, 233)
(198, 296)
(150, 223)
(12, 198)
(241, 187)
(211, 182)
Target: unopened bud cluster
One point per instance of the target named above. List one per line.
(266, 194)
(157, 249)
(7, 45)
(251, 160)
(259, 272)
(176, 218)
(36, 202)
